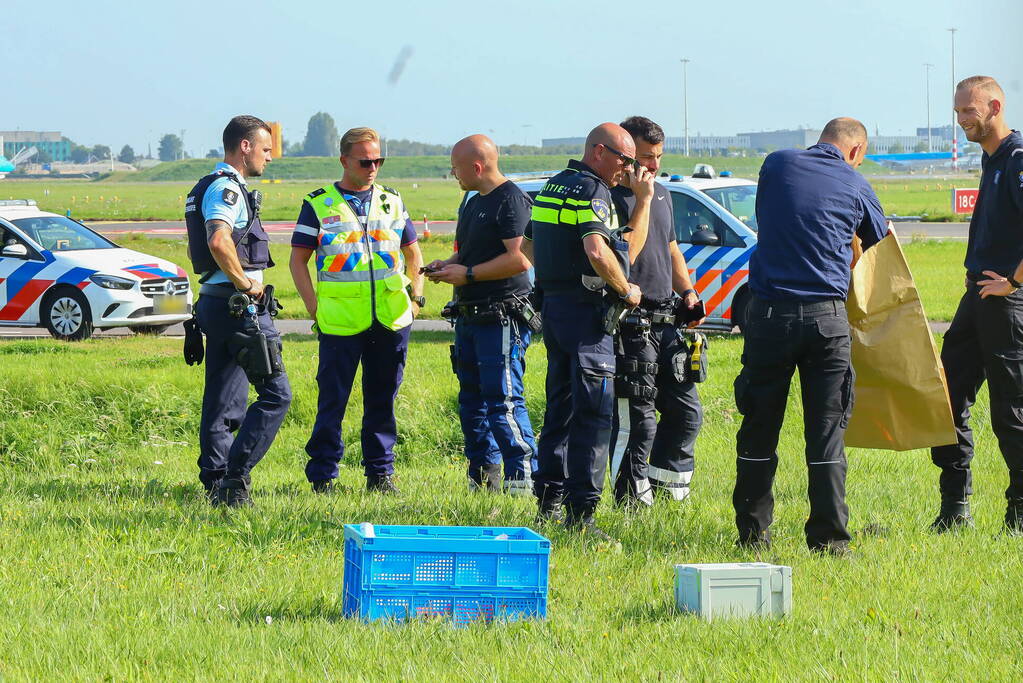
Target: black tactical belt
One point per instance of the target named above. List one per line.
(627, 366)
(218, 291)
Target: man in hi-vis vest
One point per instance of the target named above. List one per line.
(365, 244)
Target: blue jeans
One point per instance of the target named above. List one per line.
(491, 359)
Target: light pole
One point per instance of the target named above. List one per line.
(955, 135)
(927, 76)
(685, 103)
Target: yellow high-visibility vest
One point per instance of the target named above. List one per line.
(360, 268)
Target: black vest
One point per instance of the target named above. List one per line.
(252, 243)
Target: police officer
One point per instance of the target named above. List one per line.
(364, 243)
(652, 350)
(229, 248)
(810, 205)
(492, 333)
(984, 341)
(571, 231)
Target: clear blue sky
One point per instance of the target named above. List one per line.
(116, 72)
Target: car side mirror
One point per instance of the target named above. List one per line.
(15, 251)
(705, 237)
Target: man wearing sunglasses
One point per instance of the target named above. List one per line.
(365, 244)
(570, 241)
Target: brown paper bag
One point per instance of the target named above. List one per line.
(901, 394)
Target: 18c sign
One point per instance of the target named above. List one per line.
(964, 199)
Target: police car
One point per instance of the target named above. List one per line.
(57, 273)
(716, 228)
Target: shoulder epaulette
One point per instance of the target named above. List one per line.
(391, 190)
(316, 193)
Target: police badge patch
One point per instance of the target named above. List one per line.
(229, 196)
(1021, 178)
(600, 208)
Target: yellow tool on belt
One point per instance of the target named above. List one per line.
(695, 353)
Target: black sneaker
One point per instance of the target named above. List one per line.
(1014, 517)
(586, 525)
(953, 515)
(754, 541)
(233, 493)
(833, 548)
(487, 477)
(548, 509)
(381, 483)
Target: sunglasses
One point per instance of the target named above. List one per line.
(627, 160)
(367, 163)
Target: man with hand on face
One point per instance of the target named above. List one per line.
(813, 210)
(577, 253)
(230, 250)
(984, 340)
(649, 339)
(492, 333)
(364, 243)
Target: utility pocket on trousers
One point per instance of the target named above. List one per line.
(833, 326)
(596, 374)
(741, 388)
(848, 395)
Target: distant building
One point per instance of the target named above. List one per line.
(51, 142)
(706, 144)
(771, 140)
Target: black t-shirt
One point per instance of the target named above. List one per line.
(652, 269)
(483, 222)
(997, 223)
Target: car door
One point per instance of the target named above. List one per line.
(16, 277)
(717, 256)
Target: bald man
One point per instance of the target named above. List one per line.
(984, 340)
(579, 256)
(812, 205)
(492, 330)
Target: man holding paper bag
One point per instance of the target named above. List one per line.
(811, 206)
(985, 339)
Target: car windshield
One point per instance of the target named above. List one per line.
(57, 233)
(738, 200)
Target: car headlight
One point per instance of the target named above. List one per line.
(112, 282)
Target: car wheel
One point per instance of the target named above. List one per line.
(150, 329)
(66, 315)
(739, 307)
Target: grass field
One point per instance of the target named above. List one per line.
(435, 198)
(113, 568)
(937, 267)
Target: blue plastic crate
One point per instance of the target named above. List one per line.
(465, 573)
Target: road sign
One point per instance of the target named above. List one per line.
(964, 199)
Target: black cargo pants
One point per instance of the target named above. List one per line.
(984, 341)
(780, 337)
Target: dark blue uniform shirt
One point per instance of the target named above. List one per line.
(996, 229)
(810, 202)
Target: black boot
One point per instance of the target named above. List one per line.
(324, 486)
(585, 524)
(833, 548)
(1014, 517)
(234, 492)
(381, 483)
(549, 510)
(212, 491)
(752, 540)
(488, 476)
(954, 514)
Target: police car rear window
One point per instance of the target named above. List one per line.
(57, 233)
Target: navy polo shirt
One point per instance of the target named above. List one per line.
(996, 229)
(810, 202)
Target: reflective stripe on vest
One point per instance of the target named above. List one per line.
(360, 270)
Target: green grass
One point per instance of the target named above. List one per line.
(112, 567)
(937, 267)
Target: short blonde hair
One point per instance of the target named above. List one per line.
(357, 135)
(985, 84)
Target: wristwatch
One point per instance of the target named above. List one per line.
(1015, 285)
(686, 292)
(419, 301)
(469, 277)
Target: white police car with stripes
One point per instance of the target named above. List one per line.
(716, 229)
(57, 273)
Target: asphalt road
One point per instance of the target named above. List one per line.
(281, 232)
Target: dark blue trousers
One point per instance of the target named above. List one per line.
(382, 353)
(221, 451)
(576, 434)
(490, 360)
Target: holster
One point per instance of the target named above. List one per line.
(193, 348)
(259, 357)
